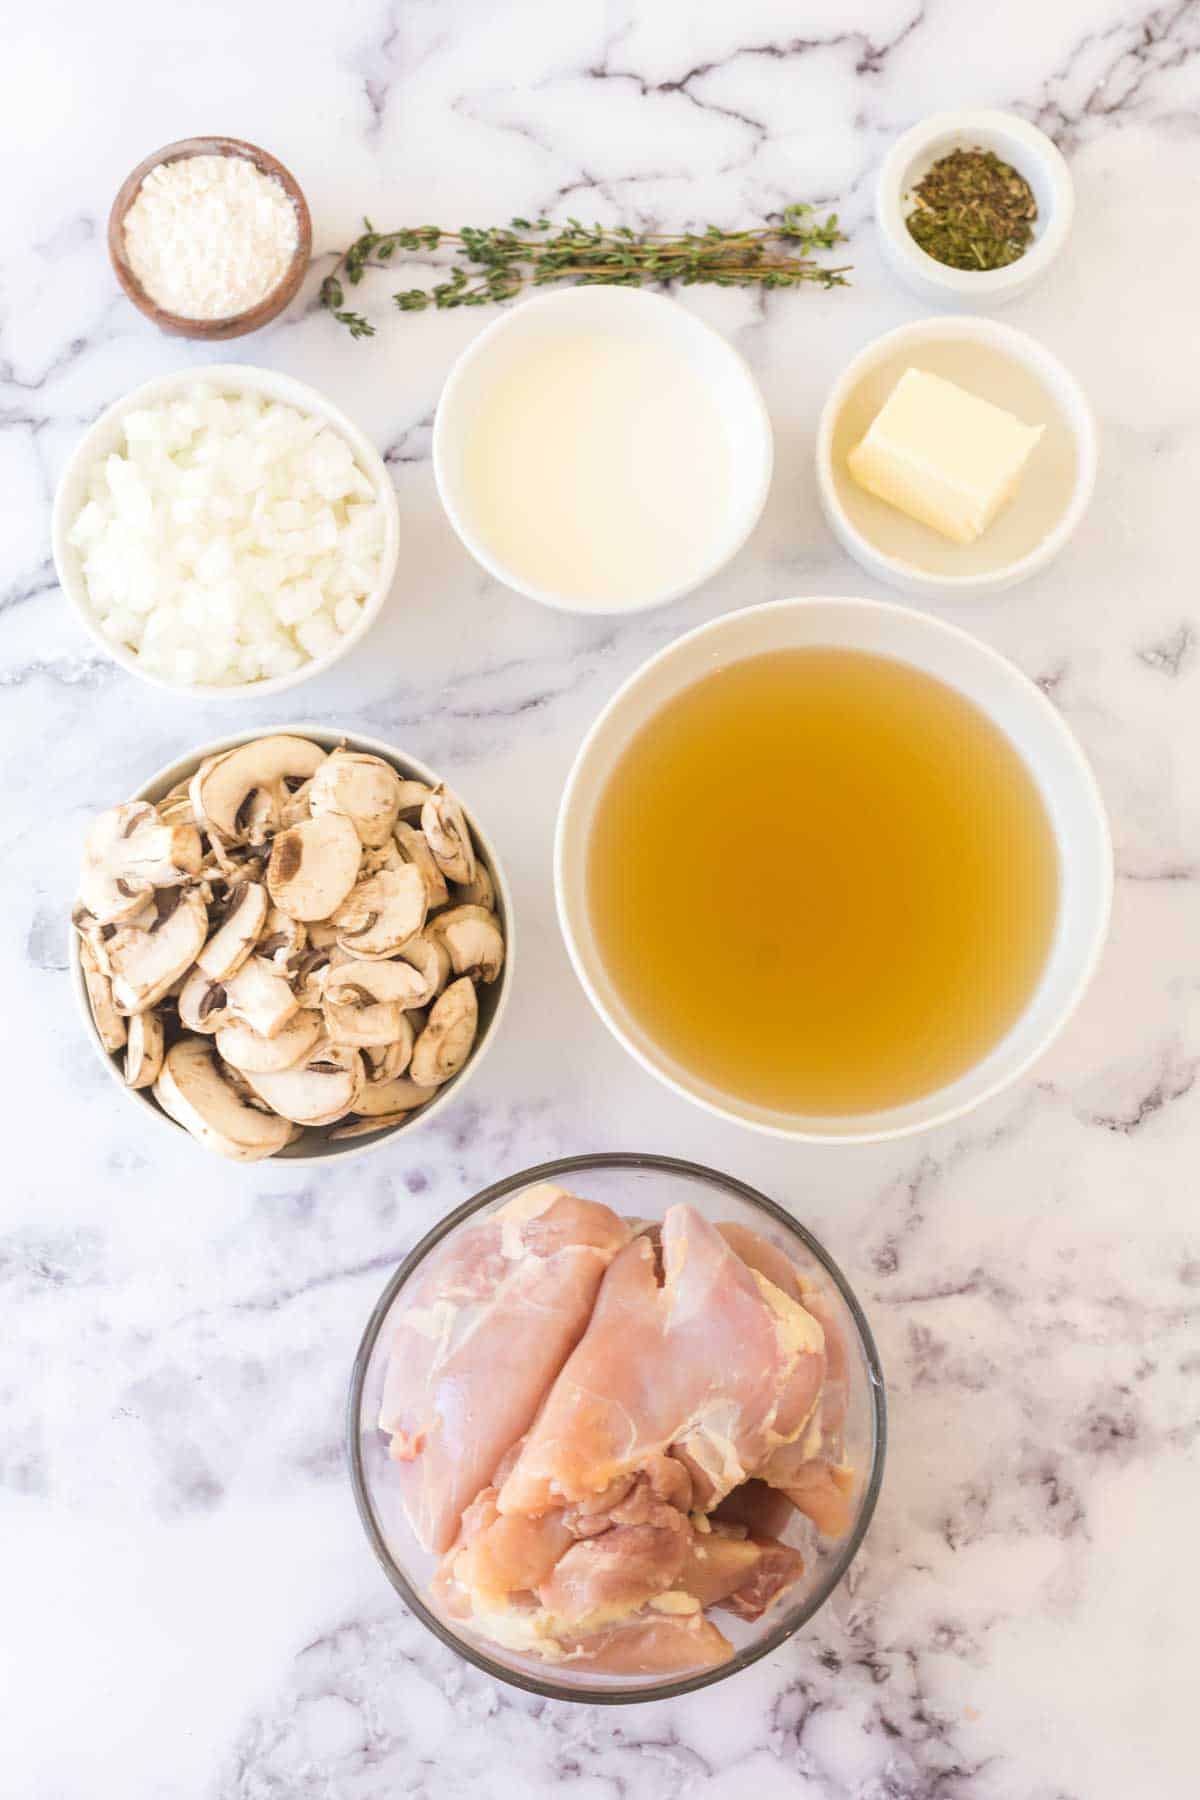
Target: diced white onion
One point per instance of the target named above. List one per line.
(231, 539)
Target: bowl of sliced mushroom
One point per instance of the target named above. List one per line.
(292, 943)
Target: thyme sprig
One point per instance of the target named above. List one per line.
(502, 260)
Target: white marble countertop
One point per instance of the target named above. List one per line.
(189, 1607)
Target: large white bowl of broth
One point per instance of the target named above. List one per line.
(833, 869)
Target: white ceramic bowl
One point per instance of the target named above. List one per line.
(1003, 693)
(1000, 364)
(233, 378)
(626, 313)
(1028, 150)
(312, 1147)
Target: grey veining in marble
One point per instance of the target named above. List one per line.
(189, 1609)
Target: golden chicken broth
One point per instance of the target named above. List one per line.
(822, 881)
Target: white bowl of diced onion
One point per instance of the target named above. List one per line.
(226, 532)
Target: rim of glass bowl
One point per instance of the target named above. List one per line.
(499, 1190)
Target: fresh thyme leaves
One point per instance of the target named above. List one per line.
(973, 211)
(501, 261)
(334, 300)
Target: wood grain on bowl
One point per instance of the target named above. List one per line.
(239, 324)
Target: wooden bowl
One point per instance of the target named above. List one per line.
(239, 323)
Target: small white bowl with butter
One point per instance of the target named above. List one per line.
(955, 456)
(602, 450)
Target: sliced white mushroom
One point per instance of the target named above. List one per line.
(242, 793)
(403, 1095)
(413, 846)
(127, 854)
(382, 913)
(144, 1052)
(192, 1090)
(473, 937)
(294, 804)
(367, 981)
(388, 857)
(445, 1044)
(232, 942)
(110, 1026)
(277, 901)
(283, 941)
(313, 866)
(431, 959)
(247, 1050)
(311, 973)
(365, 1024)
(259, 996)
(448, 835)
(203, 1004)
(175, 807)
(413, 795)
(145, 967)
(481, 891)
(116, 934)
(361, 788)
(365, 1127)
(383, 1062)
(317, 1091)
(364, 1002)
(220, 864)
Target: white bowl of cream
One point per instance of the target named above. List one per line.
(602, 450)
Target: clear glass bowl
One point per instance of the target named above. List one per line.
(641, 1186)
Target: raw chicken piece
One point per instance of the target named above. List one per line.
(718, 1364)
(745, 1575)
(809, 1471)
(503, 1556)
(776, 1569)
(758, 1252)
(635, 1499)
(717, 1565)
(761, 1511)
(482, 1333)
(660, 1644)
(822, 1490)
(588, 1564)
(605, 1578)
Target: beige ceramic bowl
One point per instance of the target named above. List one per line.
(313, 1147)
(997, 363)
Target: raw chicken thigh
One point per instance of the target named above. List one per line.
(487, 1326)
(602, 1428)
(717, 1361)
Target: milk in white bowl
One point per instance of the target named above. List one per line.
(602, 450)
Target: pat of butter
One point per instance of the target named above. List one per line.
(943, 456)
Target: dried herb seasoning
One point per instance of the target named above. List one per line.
(973, 211)
(501, 261)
